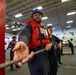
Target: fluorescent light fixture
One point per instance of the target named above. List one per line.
(6, 25)
(12, 26)
(49, 24)
(18, 22)
(14, 30)
(69, 21)
(7, 28)
(18, 28)
(40, 8)
(68, 26)
(44, 18)
(18, 15)
(64, 0)
(71, 13)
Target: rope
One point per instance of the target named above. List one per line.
(6, 64)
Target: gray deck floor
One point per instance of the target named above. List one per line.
(68, 67)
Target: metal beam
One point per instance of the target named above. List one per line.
(12, 3)
(31, 5)
(14, 19)
(24, 3)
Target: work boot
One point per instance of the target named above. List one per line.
(60, 63)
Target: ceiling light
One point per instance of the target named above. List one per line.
(44, 18)
(64, 0)
(7, 28)
(12, 26)
(49, 24)
(68, 26)
(14, 30)
(18, 28)
(6, 25)
(18, 15)
(69, 21)
(40, 8)
(18, 23)
(71, 13)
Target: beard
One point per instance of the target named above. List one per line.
(37, 20)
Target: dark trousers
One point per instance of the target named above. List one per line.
(11, 58)
(39, 64)
(62, 51)
(58, 53)
(72, 50)
(53, 62)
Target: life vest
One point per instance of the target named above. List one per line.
(39, 35)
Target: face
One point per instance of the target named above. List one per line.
(14, 39)
(37, 17)
(51, 29)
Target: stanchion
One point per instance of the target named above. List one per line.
(2, 33)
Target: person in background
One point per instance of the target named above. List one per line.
(5, 46)
(71, 46)
(62, 47)
(53, 54)
(34, 37)
(11, 45)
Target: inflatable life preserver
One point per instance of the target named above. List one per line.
(39, 35)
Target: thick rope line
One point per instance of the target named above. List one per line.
(6, 64)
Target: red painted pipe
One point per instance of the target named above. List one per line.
(2, 33)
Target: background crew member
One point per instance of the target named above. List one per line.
(52, 54)
(11, 45)
(71, 46)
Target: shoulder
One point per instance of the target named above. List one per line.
(54, 36)
(28, 26)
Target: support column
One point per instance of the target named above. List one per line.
(2, 34)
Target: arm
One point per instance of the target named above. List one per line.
(58, 41)
(25, 34)
(21, 49)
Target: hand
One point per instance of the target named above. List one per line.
(48, 46)
(30, 56)
(55, 47)
(21, 50)
(60, 45)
